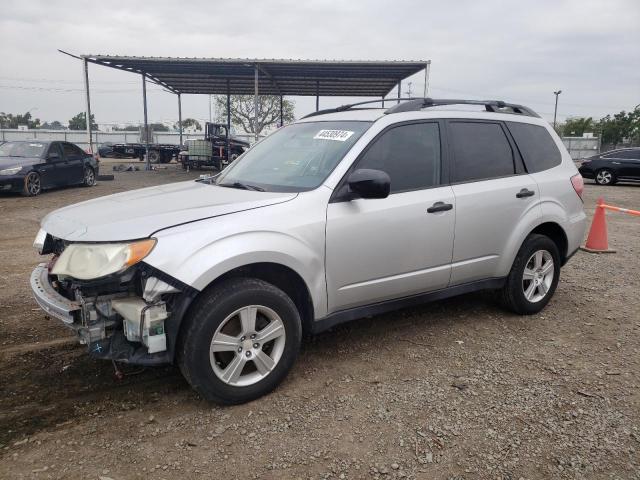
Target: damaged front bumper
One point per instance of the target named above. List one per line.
(120, 325)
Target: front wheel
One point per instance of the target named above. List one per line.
(240, 340)
(32, 185)
(605, 177)
(534, 276)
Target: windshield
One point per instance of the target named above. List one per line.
(22, 149)
(295, 158)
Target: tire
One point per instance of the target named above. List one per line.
(217, 314)
(32, 185)
(524, 295)
(154, 156)
(89, 178)
(605, 177)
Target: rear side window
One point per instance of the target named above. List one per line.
(536, 146)
(69, 150)
(409, 154)
(629, 154)
(480, 151)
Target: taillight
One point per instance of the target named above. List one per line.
(578, 184)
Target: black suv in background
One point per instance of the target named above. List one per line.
(613, 166)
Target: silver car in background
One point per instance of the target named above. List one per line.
(343, 214)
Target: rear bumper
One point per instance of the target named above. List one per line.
(586, 172)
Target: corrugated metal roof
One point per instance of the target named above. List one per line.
(351, 78)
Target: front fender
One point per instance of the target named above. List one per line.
(200, 252)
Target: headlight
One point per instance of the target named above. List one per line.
(10, 171)
(86, 261)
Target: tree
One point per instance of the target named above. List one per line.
(158, 127)
(128, 128)
(242, 111)
(623, 125)
(8, 120)
(79, 122)
(189, 122)
(55, 125)
(577, 126)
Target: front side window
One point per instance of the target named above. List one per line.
(480, 151)
(295, 158)
(409, 154)
(538, 149)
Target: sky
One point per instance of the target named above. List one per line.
(517, 51)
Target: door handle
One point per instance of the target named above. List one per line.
(525, 193)
(439, 207)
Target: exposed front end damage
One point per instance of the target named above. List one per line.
(130, 316)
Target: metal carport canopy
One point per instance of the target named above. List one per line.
(349, 78)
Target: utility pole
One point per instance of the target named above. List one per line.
(555, 111)
(409, 89)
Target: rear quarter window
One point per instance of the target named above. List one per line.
(536, 146)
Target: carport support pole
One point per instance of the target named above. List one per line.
(427, 71)
(399, 90)
(146, 121)
(317, 95)
(228, 122)
(255, 101)
(180, 117)
(383, 101)
(87, 113)
(281, 112)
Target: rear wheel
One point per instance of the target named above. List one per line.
(154, 156)
(32, 185)
(240, 341)
(605, 177)
(534, 276)
(89, 179)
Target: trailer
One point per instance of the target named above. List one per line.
(216, 150)
(158, 152)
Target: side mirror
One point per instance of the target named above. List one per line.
(370, 183)
(53, 156)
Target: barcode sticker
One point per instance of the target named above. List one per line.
(338, 135)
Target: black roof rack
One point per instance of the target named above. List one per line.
(489, 105)
(418, 103)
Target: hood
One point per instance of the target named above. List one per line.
(8, 162)
(140, 213)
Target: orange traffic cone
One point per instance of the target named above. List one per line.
(597, 241)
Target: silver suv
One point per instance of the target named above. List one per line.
(343, 214)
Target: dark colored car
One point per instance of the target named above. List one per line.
(611, 167)
(28, 167)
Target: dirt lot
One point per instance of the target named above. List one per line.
(454, 389)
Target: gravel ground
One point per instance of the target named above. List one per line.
(455, 389)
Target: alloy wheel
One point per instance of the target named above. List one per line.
(33, 183)
(247, 345)
(604, 177)
(538, 276)
(89, 177)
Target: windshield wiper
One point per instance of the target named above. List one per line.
(242, 186)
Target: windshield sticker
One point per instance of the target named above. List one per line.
(35, 145)
(338, 135)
